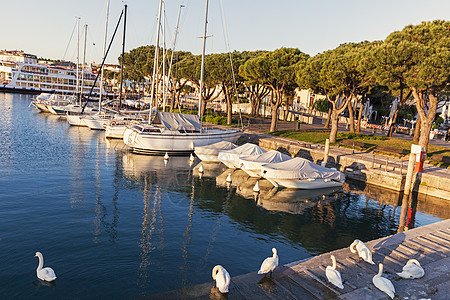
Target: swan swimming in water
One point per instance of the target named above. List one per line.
(363, 251)
(383, 284)
(46, 274)
(269, 264)
(412, 270)
(333, 275)
(222, 278)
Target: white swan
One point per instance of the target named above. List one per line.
(269, 264)
(222, 278)
(46, 274)
(363, 251)
(412, 270)
(166, 156)
(333, 275)
(383, 284)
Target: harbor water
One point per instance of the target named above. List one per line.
(116, 225)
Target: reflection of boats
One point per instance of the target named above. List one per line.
(300, 173)
(174, 133)
(295, 201)
(230, 158)
(139, 165)
(209, 153)
(210, 169)
(252, 164)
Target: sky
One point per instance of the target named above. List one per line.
(47, 28)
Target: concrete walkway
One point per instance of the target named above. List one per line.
(306, 279)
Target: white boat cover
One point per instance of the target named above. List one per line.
(253, 162)
(231, 157)
(175, 121)
(214, 149)
(299, 168)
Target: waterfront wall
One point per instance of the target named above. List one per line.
(359, 166)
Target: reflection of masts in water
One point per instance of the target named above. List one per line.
(152, 220)
(187, 239)
(76, 195)
(217, 227)
(99, 209)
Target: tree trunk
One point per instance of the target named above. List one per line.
(425, 129)
(394, 119)
(327, 123)
(427, 119)
(274, 120)
(417, 130)
(358, 122)
(334, 126)
(351, 116)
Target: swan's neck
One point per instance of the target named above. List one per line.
(274, 253)
(333, 259)
(353, 245)
(214, 272)
(380, 270)
(41, 262)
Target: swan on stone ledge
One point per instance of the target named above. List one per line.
(222, 278)
(412, 270)
(333, 276)
(269, 264)
(46, 274)
(383, 284)
(363, 251)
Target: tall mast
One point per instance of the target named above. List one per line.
(155, 61)
(173, 47)
(121, 60)
(200, 98)
(84, 62)
(77, 89)
(164, 57)
(104, 53)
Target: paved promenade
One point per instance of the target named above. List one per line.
(430, 245)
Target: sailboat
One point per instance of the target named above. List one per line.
(176, 133)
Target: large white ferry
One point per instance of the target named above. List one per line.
(21, 72)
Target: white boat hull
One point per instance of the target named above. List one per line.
(76, 120)
(305, 184)
(94, 123)
(175, 142)
(115, 131)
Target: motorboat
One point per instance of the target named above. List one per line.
(174, 133)
(251, 164)
(230, 158)
(300, 173)
(209, 153)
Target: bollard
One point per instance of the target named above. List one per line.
(385, 167)
(327, 150)
(353, 148)
(373, 161)
(401, 167)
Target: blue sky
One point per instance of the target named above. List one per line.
(44, 27)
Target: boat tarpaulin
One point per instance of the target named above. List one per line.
(256, 161)
(214, 149)
(231, 157)
(175, 121)
(299, 168)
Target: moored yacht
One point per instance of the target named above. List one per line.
(174, 133)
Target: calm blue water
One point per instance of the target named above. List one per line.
(122, 226)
